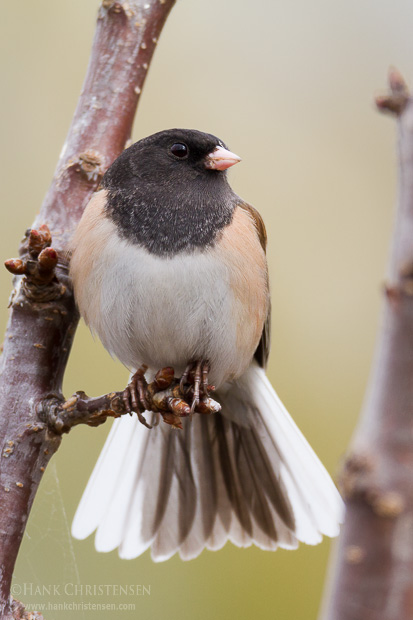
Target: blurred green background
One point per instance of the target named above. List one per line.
(289, 87)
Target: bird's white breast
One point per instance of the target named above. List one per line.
(167, 311)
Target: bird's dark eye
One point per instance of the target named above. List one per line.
(179, 150)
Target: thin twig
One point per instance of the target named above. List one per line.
(61, 416)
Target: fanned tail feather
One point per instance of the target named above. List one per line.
(246, 475)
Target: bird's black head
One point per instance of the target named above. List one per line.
(169, 192)
(173, 156)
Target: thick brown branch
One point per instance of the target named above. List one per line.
(374, 567)
(41, 329)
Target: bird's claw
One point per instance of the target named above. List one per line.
(135, 395)
(196, 374)
(173, 399)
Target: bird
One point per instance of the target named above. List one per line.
(169, 269)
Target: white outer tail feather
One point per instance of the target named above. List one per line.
(133, 485)
(308, 480)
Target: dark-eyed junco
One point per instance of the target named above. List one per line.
(169, 269)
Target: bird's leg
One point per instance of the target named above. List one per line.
(142, 386)
(135, 395)
(204, 380)
(197, 383)
(196, 375)
(185, 376)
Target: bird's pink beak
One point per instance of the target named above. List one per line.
(221, 159)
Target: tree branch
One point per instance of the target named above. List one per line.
(373, 576)
(165, 398)
(40, 331)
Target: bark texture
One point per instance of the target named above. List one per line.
(373, 573)
(40, 333)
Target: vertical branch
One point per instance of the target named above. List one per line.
(373, 575)
(40, 333)
(125, 39)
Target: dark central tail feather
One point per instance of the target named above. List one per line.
(246, 475)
